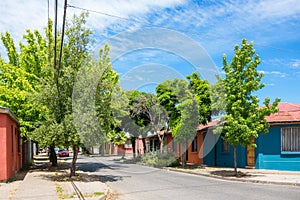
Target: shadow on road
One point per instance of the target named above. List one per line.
(94, 167)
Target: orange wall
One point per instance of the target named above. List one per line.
(196, 157)
(9, 147)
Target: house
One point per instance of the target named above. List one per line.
(109, 148)
(127, 149)
(15, 152)
(194, 150)
(279, 149)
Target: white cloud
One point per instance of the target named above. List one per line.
(281, 63)
(295, 63)
(18, 15)
(270, 84)
(275, 73)
(218, 26)
(277, 9)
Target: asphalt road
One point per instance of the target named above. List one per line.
(136, 182)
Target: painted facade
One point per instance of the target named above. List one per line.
(284, 132)
(126, 149)
(12, 145)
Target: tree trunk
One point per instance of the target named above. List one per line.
(73, 165)
(102, 149)
(53, 157)
(144, 145)
(183, 156)
(133, 146)
(235, 163)
(161, 146)
(138, 147)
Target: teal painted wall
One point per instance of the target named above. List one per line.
(268, 152)
(209, 140)
(226, 158)
(215, 157)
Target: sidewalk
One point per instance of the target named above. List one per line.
(45, 183)
(245, 175)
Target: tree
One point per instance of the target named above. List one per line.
(19, 77)
(133, 122)
(186, 127)
(183, 108)
(148, 115)
(244, 118)
(167, 97)
(104, 100)
(218, 97)
(202, 94)
(57, 87)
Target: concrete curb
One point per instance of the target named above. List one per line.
(234, 179)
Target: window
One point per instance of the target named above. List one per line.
(290, 139)
(195, 144)
(225, 146)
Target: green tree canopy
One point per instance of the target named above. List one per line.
(201, 89)
(178, 99)
(244, 118)
(19, 78)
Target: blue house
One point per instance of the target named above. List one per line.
(279, 149)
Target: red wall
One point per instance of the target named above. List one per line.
(120, 149)
(9, 147)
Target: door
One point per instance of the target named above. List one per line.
(250, 156)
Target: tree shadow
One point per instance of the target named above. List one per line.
(82, 177)
(46, 165)
(94, 167)
(18, 176)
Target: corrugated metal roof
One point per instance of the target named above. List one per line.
(288, 113)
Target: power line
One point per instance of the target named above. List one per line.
(62, 37)
(48, 10)
(185, 31)
(109, 15)
(55, 32)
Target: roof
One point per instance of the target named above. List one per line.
(8, 112)
(288, 112)
(162, 132)
(214, 122)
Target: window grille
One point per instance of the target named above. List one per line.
(290, 139)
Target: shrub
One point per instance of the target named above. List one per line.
(160, 160)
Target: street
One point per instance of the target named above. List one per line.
(131, 181)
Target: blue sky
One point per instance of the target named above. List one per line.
(158, 39)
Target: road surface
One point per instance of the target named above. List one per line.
(136, 182)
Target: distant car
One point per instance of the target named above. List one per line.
(63, 152)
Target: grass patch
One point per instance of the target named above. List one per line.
(95, 194)
(61, 193)
(98, 193)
